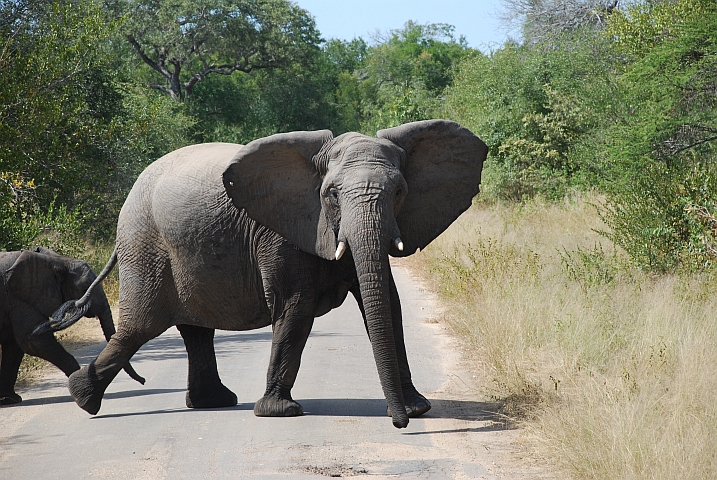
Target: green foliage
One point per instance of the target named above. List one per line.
(661, 206)
(534, 105)
(70, 132)
(184, 42)
(54, 107)
(626, 106)
(55, 228)
(592, 266)
(345, 86)
(242, 107)
(401, 78)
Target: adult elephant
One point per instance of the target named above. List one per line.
(33, 284)
(219, 236)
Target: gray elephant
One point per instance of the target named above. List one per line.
(33, 285)
(219, 236)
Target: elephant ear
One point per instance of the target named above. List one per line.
(275, 180)
(35, 279)
(443, 172)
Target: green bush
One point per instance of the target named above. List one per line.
(535, 105)
(663, 196)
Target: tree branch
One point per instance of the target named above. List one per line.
(140, 51)
(700, 142)
(225, 69)
(162, 88)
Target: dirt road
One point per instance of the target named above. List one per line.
(145, 432)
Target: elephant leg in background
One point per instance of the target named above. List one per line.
(9, 366)
(204, 388)
(24, 319)
(416, 404)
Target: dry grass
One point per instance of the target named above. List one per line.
(611, 370)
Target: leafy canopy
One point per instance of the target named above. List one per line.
(184, 41)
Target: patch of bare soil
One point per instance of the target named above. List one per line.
(335, 471)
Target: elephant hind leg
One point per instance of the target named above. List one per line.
(48, 348)
(88, 384)
(9, 366)
(204, 387)
(145, 313)
(24, 319)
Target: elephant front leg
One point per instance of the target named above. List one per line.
(9, 366)
(289, 339)
(416, 404)
(204, 388)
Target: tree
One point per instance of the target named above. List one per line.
(240, 108)
(534, 105)
(185, 41)
(539, 19)
(402, 76)
(662, 206)
(71, 136)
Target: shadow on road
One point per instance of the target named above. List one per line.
(189, 411)
(346, 407)
(68, 398)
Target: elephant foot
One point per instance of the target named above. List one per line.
(10, 398)
(83, 391)
(215, 396)
(416, 404)
(274, 406)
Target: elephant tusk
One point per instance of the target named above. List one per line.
(340, 250)
(399, 244)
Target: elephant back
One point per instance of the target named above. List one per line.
(7, 259)
(168, 183)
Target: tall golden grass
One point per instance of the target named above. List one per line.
(612, 371)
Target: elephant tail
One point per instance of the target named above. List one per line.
(70, 312)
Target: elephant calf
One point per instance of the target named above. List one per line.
(33, 285)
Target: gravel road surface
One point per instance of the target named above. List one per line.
(146, 432)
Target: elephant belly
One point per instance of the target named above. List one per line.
(220, 297)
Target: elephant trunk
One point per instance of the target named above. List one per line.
(104, 313)
(370, 253)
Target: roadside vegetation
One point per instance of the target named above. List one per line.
(583, 278)
(610, 369)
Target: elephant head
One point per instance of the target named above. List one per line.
(375, 196)
(45, 279)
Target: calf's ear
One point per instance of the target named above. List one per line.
(36, 279)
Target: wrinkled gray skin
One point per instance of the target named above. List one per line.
(219, 236)
(33, 284)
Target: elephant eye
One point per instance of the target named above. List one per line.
(334, 193)
(399, 192)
